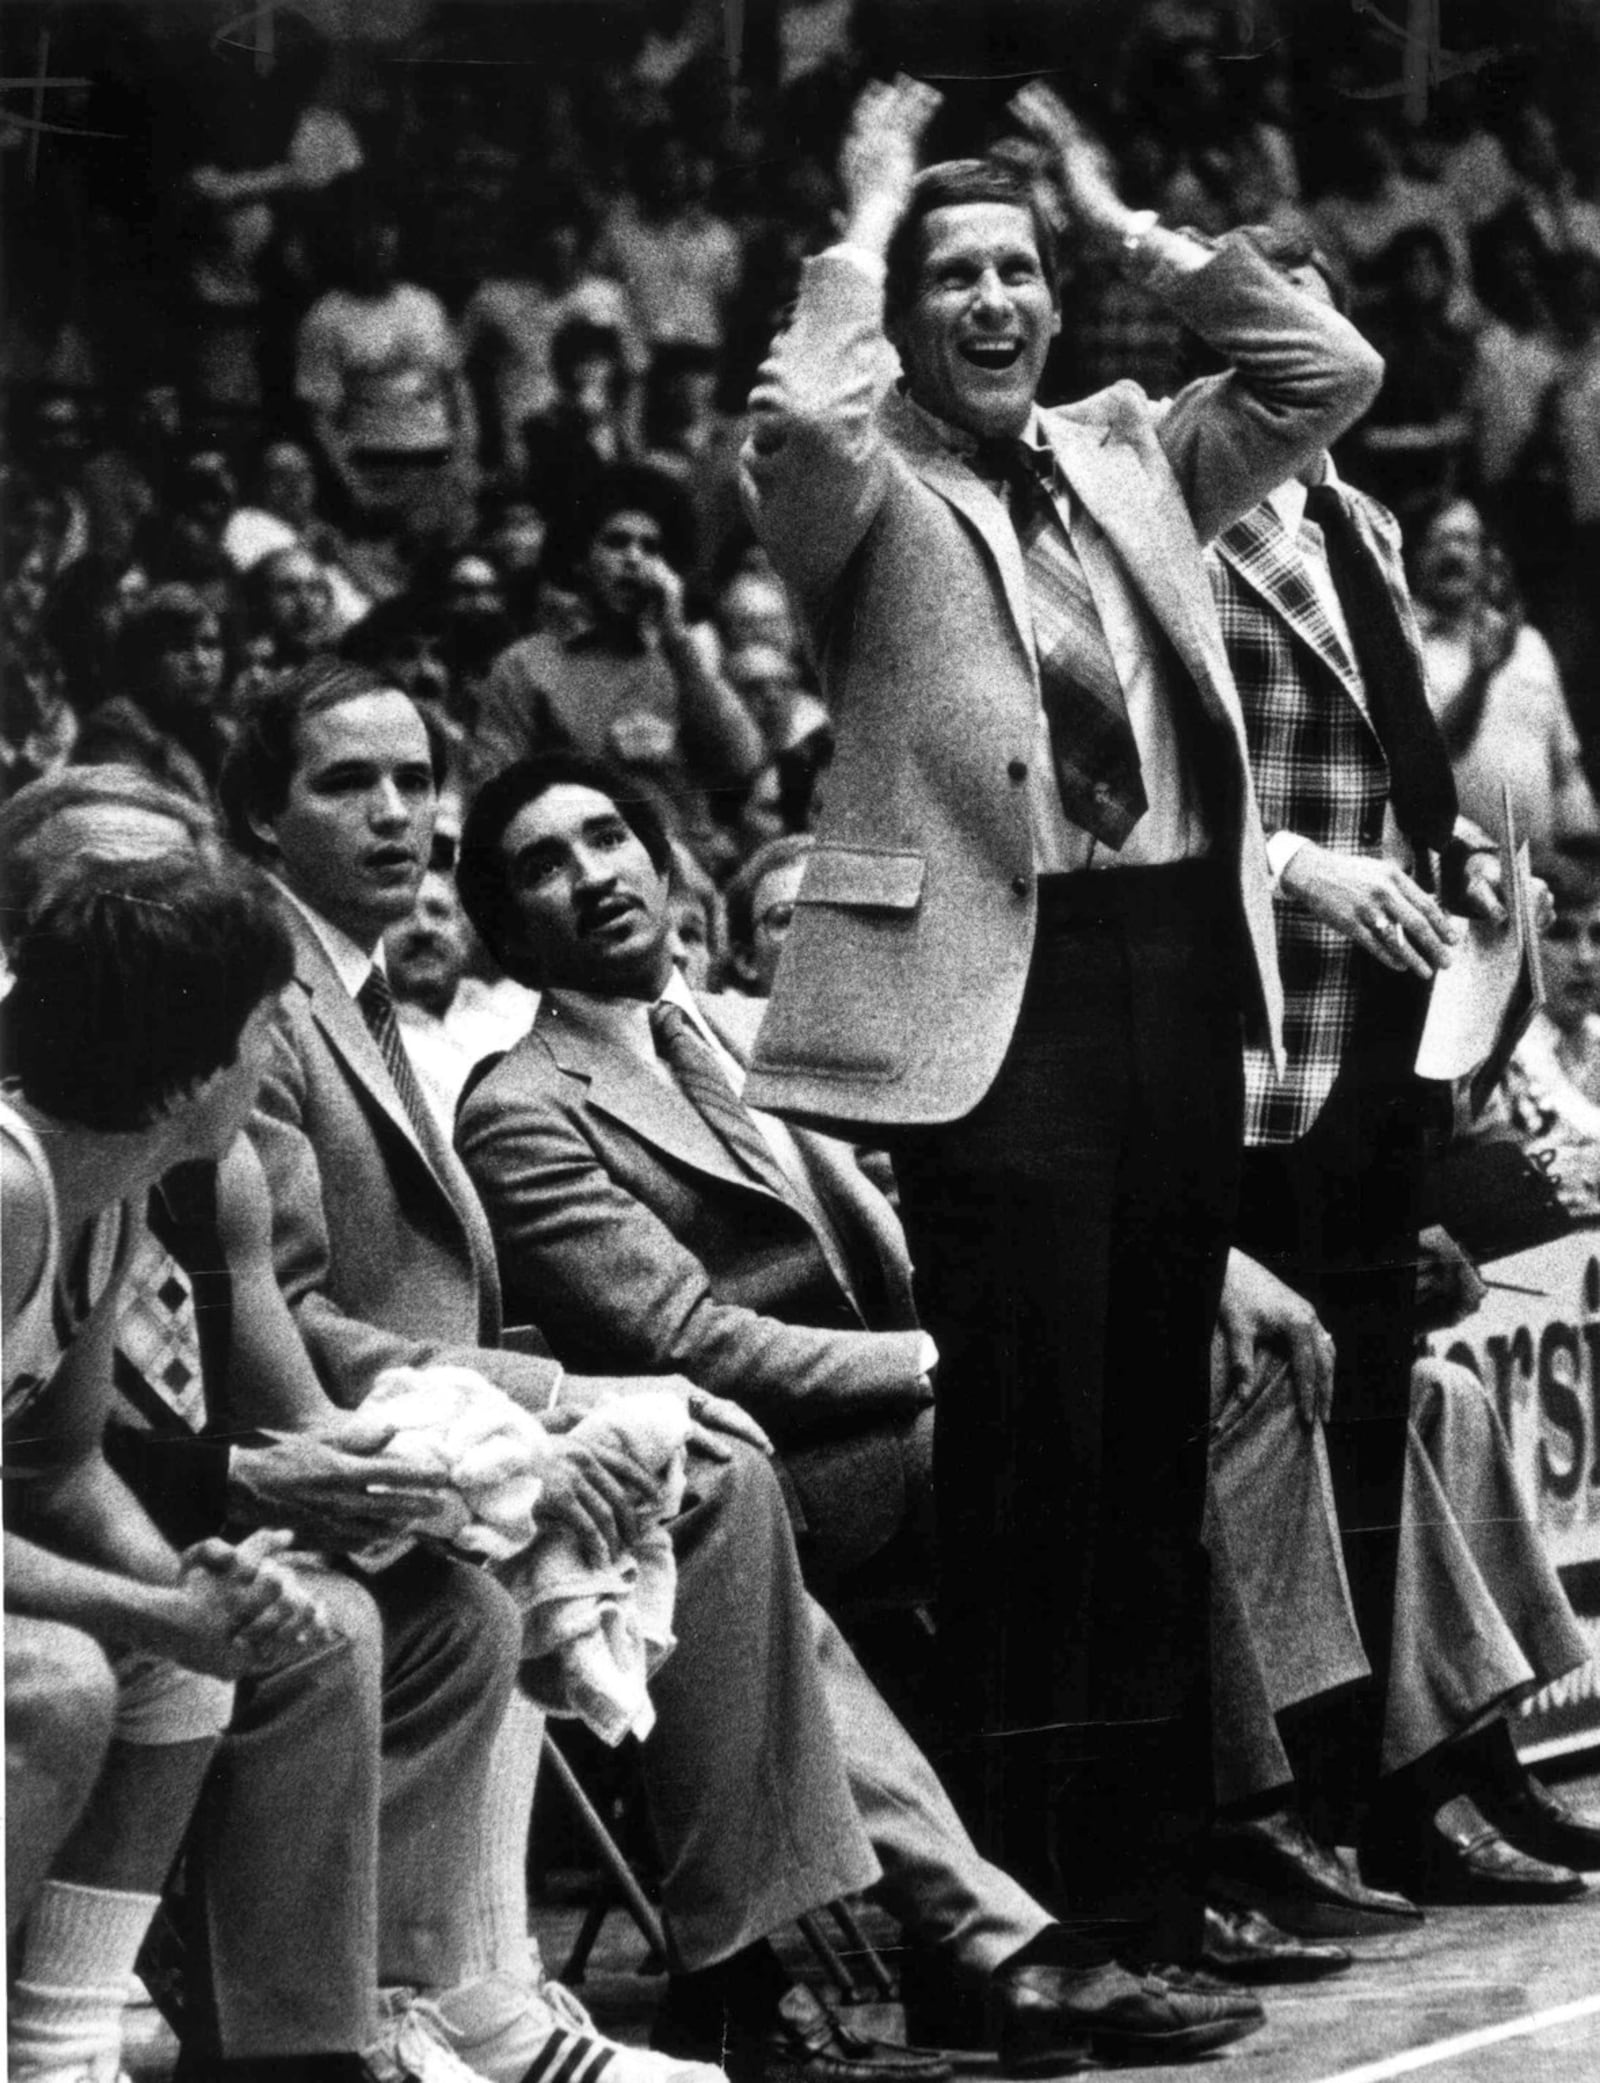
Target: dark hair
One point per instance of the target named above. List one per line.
(133, 983)
(481, 880)
(1392, 259)
(167, 618)
(740, 895)
(635, 488)
(946, 187)
(580, 340)
(262, 759)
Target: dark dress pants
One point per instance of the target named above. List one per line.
(1336, 1215)
(1070, 1238)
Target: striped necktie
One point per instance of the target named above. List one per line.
(693, 1063)
(376, 1001)
(1091, 739)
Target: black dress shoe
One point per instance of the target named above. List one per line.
(800, 2041)
(1241, 1945)
(1459, 1856)
(1041, 2011)
(1272, 1863)
(1535, 1819)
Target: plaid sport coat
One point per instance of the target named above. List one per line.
(1319, 770)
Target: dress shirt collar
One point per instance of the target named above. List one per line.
(1288, 502)
(957, 441)
(351, 964)
(625, 1022)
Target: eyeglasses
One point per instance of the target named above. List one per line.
(442, 854)
(1569, 931)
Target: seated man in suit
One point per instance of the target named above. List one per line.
(777, 1778)
(649, 1218)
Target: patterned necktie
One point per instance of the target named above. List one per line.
(376, 1001)
(1422, 788)
(1091, 739)
(693, 1063)
(157, 1334)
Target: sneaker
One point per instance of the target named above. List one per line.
(508, 2031)
(413, 2043)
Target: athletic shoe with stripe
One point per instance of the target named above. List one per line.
(413, 2043)
(505, 2030)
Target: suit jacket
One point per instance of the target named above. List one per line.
(1319, 770)
(905, 966)
(643, 1246)
(381, 1246)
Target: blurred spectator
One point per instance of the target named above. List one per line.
(1378, 197)
(1550, 1098)
(753, 608)
(378, 369)
(284, 516)
(1410, 449)
(171, 668)
(684, 433)
(289, 600)
(633, 683)
(513, 535)
(588, 425)
(37, 723)
(678, 260)
(1546, 190)
(1517, 359)
(698, 925)
(182, 540)
(760, 906)
(1572, 529)
(509, 329)
(1495, 690)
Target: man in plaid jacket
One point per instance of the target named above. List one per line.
(1364, 840)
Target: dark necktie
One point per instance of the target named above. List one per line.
(1422, 789)
(376, 1001)
(693, 1063)
(1091, 739)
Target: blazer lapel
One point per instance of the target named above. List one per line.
(981, 508)
(652, 1108)
(1263, 553)
(339, 1019)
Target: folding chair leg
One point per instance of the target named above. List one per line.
(862, 1949)
(634, 1899)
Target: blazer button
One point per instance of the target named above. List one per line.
(1019, 885)
(1018, 769)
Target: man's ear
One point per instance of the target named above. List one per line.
(742, 962)
(266, 830)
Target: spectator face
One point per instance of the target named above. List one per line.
(766, 681)
(518, 540)
(353, 837)
(427, 953)
(591, 904)
(772, 914)
(979, 327)
(1452, 564)
(376, 257)
(593, 387)
(289, 483)
(1572, 966)
(472, 591)
(624, 548)
(299, 604)
(189, 676)
(690, 940)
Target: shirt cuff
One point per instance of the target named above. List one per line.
(927, 1353)
(1281, 850)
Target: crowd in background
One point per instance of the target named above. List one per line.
(335, 351)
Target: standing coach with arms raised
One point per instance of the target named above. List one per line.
(1038, 907)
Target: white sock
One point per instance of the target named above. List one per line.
(66, 2006)
(498, 1905)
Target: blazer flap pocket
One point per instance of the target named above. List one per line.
(867, 878)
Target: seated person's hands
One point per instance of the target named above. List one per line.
(237, 1609)
(335, 1486)
(1261, 1319)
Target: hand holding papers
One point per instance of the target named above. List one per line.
(1482, 1003)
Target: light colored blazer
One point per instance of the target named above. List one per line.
(905, 966)
(640, 1245)
(380, 1243)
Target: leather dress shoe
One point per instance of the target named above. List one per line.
(1459, 1856)
(1042, 2011)
(1536, 1819)
(1242, 1945)
(800, 2041)
(1272, 1863)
